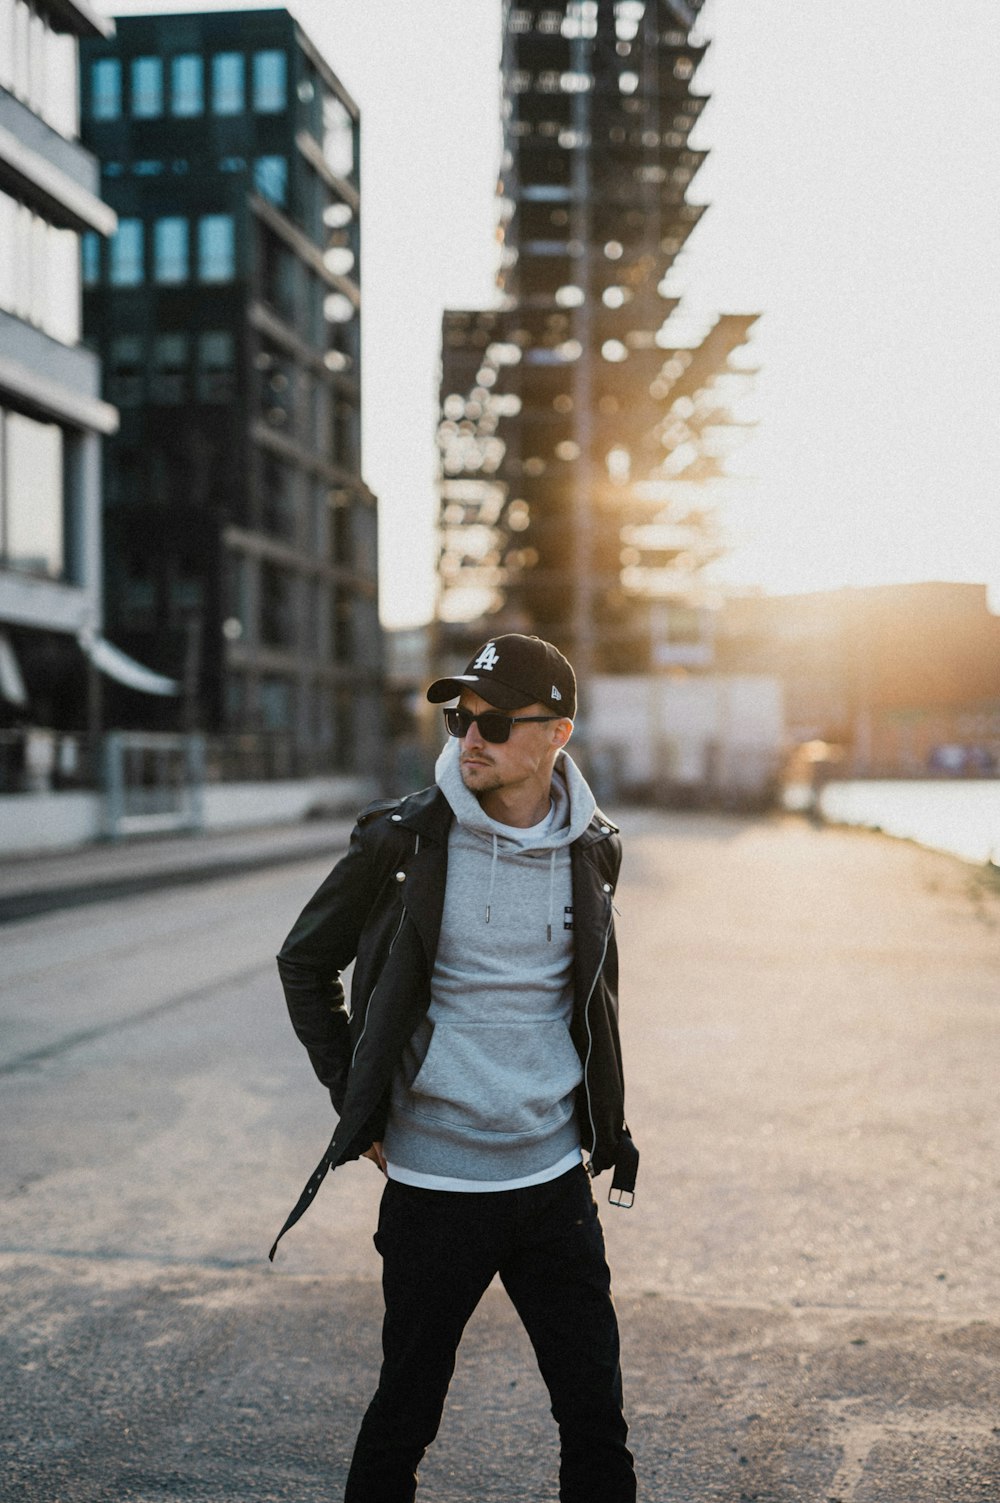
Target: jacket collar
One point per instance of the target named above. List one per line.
(600, 828)
(427, 813)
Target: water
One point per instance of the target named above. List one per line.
(960, 817)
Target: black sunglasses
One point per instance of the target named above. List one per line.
(493, 726)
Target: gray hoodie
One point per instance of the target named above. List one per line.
(484, 1094)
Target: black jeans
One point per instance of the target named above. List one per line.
(440, 1249)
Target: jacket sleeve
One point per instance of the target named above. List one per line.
(322, 942)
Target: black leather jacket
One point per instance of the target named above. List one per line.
(381, 906)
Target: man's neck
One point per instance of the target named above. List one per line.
(521, 809)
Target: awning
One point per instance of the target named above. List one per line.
(11, 682)
(123, 669)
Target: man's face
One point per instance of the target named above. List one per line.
(525, 758)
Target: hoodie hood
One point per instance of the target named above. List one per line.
(574, 804)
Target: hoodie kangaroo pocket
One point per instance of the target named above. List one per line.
(506, 1078)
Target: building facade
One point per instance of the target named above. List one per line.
(240, 538)
(904, 679)
(580, 432)
(52, 415)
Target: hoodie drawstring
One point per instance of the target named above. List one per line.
(552, 887)
(493, 873)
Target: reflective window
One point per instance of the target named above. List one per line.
(32, 527)
(125, 370)
(216, 248)
(127, 245)
(105, 88)
(168, 377)
(170, 249)
(227, 83)
(147, 87)
(270, 85)
(270, 177)
(187, 84)
(216, 366)
(279, 273)
(90, 258)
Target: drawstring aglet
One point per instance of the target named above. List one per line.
(487, 912)
(548, 931)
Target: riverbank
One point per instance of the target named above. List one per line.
(961, 818)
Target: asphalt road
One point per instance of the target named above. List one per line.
(808, 1282)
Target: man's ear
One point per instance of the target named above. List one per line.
(561, 732)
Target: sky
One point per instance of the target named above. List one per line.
(854, 179)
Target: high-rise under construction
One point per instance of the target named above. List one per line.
(579, 434)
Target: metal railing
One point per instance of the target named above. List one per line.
(152, 783)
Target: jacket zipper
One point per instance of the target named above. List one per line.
(590, 1036)
(364, 1030)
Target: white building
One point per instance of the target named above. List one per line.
(52, 417)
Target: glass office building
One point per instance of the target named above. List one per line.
(240, 538)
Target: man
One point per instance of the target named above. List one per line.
(480, 1067)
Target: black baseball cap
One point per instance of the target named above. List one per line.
(513, 671)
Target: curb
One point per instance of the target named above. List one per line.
(35, 902)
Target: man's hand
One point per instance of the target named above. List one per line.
(377, 1157)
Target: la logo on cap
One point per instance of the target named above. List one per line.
(487, 659)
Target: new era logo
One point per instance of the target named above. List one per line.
(555, 693)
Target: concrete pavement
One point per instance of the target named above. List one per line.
(808, 1282)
